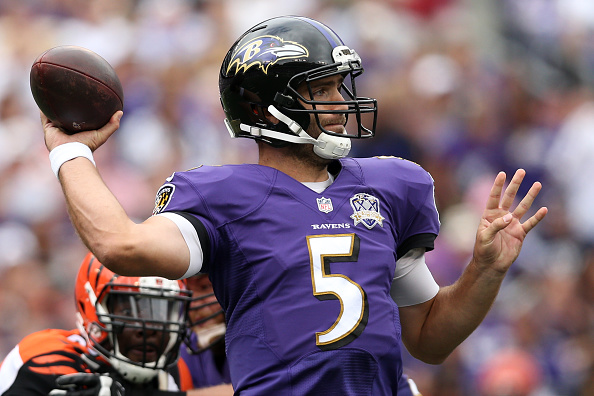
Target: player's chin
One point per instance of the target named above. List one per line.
(337, 129)
(143, 355)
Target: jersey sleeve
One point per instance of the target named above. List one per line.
(423, 227)
(195, 236)
(179, 201)
(32, 367)
(409, 191)
(208, 198)
(413, 282)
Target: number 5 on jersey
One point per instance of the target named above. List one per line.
(354, 308)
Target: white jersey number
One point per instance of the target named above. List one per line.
(354, 309)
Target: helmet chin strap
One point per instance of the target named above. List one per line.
(325, 146)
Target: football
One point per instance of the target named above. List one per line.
(75, 88)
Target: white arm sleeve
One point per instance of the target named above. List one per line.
(191, 237)
(413, 283)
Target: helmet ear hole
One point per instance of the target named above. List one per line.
(255, 109)
(271, 120)
(262, 115)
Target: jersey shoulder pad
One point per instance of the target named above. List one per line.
(385, 168)
(53, 351)
(230, 189)
(50, 340)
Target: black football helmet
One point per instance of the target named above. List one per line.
(262, 71)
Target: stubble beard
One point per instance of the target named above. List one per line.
(304, 153)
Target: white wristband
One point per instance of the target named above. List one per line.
(66, 152)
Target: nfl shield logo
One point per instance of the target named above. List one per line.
(325, 205)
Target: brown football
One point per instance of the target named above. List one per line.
(75, 88)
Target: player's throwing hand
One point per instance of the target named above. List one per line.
(55, 136)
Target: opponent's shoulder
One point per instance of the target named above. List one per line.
(50, 341)
(44, 354)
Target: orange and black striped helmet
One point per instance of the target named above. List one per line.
(108, 305)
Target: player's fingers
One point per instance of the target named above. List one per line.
(495, 194)
(527, 201)
(117, 116)
(510, 192)
(94, 139)
(78, 379)
(534, 220)
(113, 124)
(45, 122)
(76, 392)
(488, 234)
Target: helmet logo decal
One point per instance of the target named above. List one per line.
(263, 52)
(163, 197)
(366, 210)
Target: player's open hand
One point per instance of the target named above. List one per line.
(55, 136)
(501, 231)
(87, 384)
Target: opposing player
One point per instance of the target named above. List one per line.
(205, 351)
(310, 253)
(128, 337)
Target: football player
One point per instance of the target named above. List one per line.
(317, 259)
(204, 353)
(129, 331)
(204, 350)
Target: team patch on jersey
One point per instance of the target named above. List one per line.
(325, 205)
(366, 210)
(263, 52)
(163, 197)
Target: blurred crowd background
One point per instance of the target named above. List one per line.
(466, 88)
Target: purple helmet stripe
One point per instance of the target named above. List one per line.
(330, 34)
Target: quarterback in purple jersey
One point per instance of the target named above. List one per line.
(317, 259)
(328, 306)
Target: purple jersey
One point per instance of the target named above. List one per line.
(203, 367)
(304, 278)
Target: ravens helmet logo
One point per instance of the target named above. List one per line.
(265, 51)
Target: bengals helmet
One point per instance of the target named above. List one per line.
(108, 304)
(262, 71)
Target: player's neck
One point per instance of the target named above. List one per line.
(297, 162)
